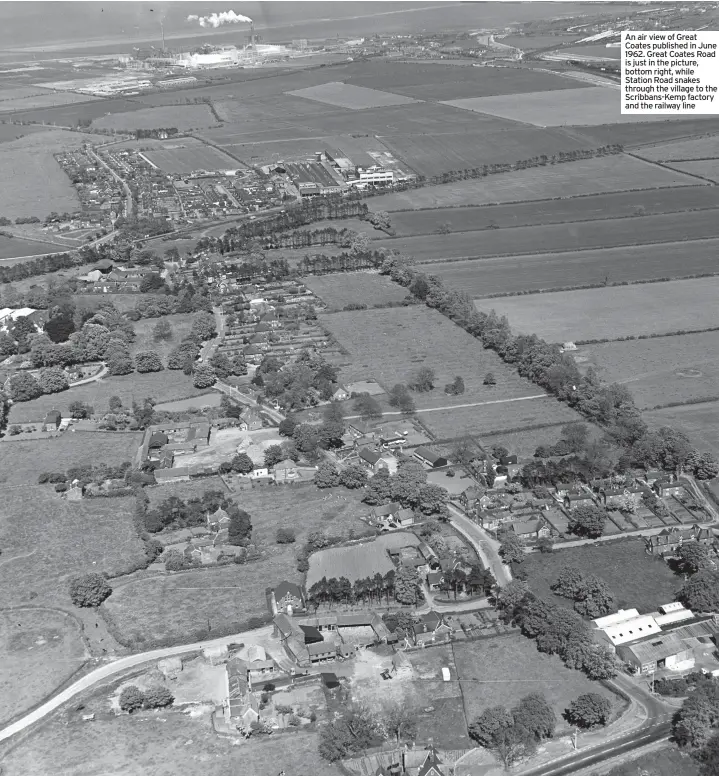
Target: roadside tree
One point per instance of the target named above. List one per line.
(589, 710)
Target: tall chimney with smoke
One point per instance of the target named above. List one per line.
(252, 37)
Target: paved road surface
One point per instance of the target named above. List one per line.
(486, 547)
(122, 664)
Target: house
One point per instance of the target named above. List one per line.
(250, 420)
(285, 471)
(288, 594)
(531, 529)
(662, 651)
(387, 461)
(508, 460)
(431, 628)
(435, 579)
(432, 765)
(615, 496)
(322, 650)
(651, 476)
(670, 540)
(428, 458)
(666, 488)
(469, 496)
(341, 394)
(492, 519)
(218, 520)
(157, 440)
(359, 428)
(386, 511)
(52, 421)
(404, 518)
(577, 498)
(369, 458)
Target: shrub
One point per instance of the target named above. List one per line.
(489, 379)
(131, 699)
(285, 536)
(90, 590)
(158, 698)
(60, 487)
(148, 361)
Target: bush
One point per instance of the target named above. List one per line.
(131, 699)
(148, 361)
(489, 379)
(203, 376)
(90, 590)
(60, 487)
(158, 698)
(285, 536)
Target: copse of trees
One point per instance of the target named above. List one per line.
(591, 595)
(90, 590)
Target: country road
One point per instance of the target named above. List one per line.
(486, 547)
(109, 670)
(459, 406)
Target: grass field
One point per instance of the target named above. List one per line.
(523, 443)
(343, 95)
(181, 325)
(178, 604)
(644, 134)
(534, 42)
(11, 247)
(39, 648)
(562, 270)
(554, 211)
(667, 761)
(708, 168)
(588, 176)
(189, 156)
(638, 580)
(620, 311)
(163, 386)
(659, 371)
(371, 289)
(389, 345)
(180, 116)
(9, 132)
(700, 422)
(502, 670)
(580, 235)
(695, 148)
(44, 100)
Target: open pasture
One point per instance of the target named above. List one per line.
(180, 116)
(371, 289)
(13, 247)
(599, 105)
(181, 325)
(680, 150)
(45, 100)
(614, 312)
(707, 168)
(344, 95)
(583, 235)
(69, 115)
(570, 179)
(437, 153)
(643, 134)
(700, 422)
(660, 370)
(10, 132)
(388, 345)
(189, 156)
(544, 271)
(554, 211)
(598, 51)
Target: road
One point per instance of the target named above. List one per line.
(109, 670)
(120, 180)
(236, 393)
(486, 547)
(208, 349)
(459, 406)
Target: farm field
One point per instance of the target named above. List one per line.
(162, 386)
(700, 422)
(343, 95)
(523, 443)
(180, 116)
(694, 148)
(434, 154)
(581, 235)
(598, 50)
(180, 324)
(534, 42)
(212, 399)
(562, 270)
(643, 134)
(173, 606)
(388, 345)
(44, 100)
(39, 649)
(570, 179)
(661, 370)
(280, 107)
(371, 289)
(407, 223)
(610, 313)
(68, 115)
(500, 671)
(188, 156)
(9, 132)
(638, 580)
(707, 168)
(12, 247)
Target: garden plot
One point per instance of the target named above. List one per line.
(349, 96)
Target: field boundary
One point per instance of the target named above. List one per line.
(667, 166)
(631, 337)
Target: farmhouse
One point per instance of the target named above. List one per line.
(52, 421)
(340, 394)
(288, 594)
(359, 428)
(250, 420)
(670, 540)
(665, 487)
(428, 458)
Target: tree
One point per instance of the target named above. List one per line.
(52, 379)
(353, 476)
(354, 732)
(131, 699)
(8, 346)
(240, 528)
(242, 464)
(534, 714)
(24, 387)
(90, 590)
(432, 499)
(545, 544)
(422, 380)
(162, 332)
(327, 475)
(379, 488)
(698, 717)
(706, 467)
(406, 586)
(701, 592)
(148, 361)
(456, 387)
(694, 557)
(158, 697)
(273, 455)
(120, 362)
(396, 394)
(367, 408)
(399, 720)
(203, 376)
(288, 426)
(511, 548)
(489, 379)
(92, 341)
(306, 438)
(589, 710)
(221, 364)
(115, 404)
(587, 520)
(513, 744)
(79, 410)
(285, 536)
(485, 729)
(204, 326)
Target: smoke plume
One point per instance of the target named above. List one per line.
(218, 19)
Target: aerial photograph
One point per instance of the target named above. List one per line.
(359, 389)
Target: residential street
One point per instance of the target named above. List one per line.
(486, 547)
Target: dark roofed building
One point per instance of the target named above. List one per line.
(427, 457)
(671, 539)
(52, 421)
(289, 594)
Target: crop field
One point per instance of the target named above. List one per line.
(180, 116)
(583, 235)
(571, 179)
(707, 168)
(700, 422)
(501, 670)
(546, 271)
(163, 386)
(610, 313)
(660, 370)
(343, 95)
(12, 247)
(189, 156)
(554, 211)
(371, 289)
(643, 134)
(19, 92)
(39, 649)
(10, 132)
(388, 345)
(69, 115)
(638, 580)
(695, 148)
(178, 604)
(434, 154)
(44, 100)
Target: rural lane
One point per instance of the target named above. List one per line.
(118, 178)
(486, 547)
(122, 664)
(459, 406)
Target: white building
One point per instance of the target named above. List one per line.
(374, 174)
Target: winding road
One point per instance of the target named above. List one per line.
(486, 547)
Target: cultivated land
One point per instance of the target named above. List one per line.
(188, 156)
(696, 148)
(580, 235)
(638, 580)
(643, 134)
(179, 604)
(661, 370)
(501, 670)
(162, 386)
(544, 271)
(571, 179)
(39, 648)
(389, 345)
(45, 100)
(179, 116)
(349, 96)
(371, 289)
(700, 422)
(708, 168)
(611, 313)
